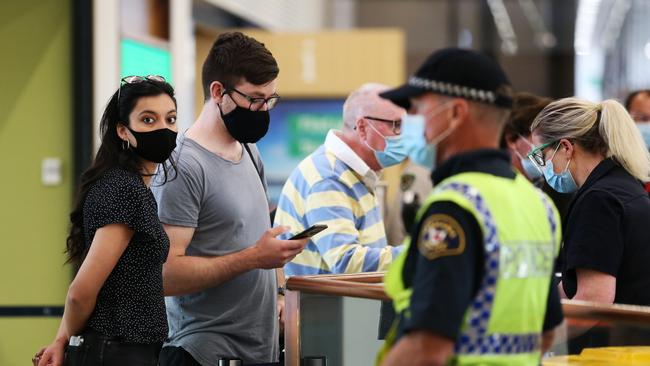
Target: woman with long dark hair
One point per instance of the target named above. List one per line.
(115, 310)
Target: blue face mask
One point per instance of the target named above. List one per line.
(644, 128)
(395, 151)
(561, 182)
(413, 129)
(530, 169)
(419, 151)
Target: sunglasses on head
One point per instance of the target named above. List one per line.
(135, 79)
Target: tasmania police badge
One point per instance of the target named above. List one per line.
(441, 235)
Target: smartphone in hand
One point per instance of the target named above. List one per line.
(309, 232)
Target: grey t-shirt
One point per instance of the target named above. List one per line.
(226, 202)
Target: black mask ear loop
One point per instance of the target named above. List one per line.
(225, 92)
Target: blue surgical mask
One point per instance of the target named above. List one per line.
(644, 128)
(394, 152)
(419, 151)
(530, 169)
(413, 131)
(561, 182)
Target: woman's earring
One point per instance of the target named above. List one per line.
(127, 145)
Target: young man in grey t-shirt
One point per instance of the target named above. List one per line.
(219, 271)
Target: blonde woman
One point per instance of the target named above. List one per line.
(596, 151)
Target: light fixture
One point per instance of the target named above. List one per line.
(586, 25)
(504, 26)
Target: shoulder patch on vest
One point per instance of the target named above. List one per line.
(441, 235)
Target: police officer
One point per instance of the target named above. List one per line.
(474, 285)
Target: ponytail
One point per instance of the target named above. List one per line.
(624, 140)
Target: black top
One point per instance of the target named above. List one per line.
(606, 230)
(131, 304)
(444, 286)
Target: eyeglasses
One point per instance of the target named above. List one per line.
(135, 79)
(537, 154)
(396, 123)
(255, 104)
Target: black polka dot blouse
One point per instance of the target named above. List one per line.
(131, 303)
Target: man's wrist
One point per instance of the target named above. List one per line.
(250, 257)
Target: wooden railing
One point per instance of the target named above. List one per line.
(370, 286)
(367, 286)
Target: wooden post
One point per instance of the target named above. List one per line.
(292, 328)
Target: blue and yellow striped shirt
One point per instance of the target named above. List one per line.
(324, 189)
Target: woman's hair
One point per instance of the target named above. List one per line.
(525, 107)
(112, 154)
(603, 128)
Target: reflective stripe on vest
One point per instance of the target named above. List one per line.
(475, 340)
(487, 332)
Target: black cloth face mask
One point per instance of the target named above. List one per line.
(246, 126)
(155, 146)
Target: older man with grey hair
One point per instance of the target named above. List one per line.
(335, 186)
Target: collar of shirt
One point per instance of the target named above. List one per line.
(343, 152)
(490, 161)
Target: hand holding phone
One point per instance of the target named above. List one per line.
(309, 232)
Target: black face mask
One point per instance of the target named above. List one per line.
(155, 146)
(245, 125)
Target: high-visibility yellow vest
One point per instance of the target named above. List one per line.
(521, 231)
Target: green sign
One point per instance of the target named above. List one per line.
(139, 58)
(307, 131)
